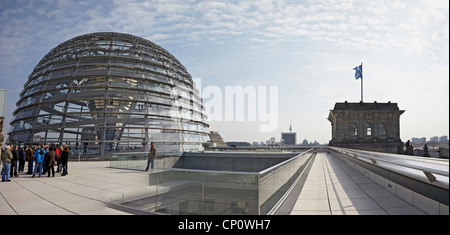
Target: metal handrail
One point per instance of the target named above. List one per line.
(284, 162)
(206, 171)
(360, 154)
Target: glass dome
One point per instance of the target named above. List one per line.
(110, 92)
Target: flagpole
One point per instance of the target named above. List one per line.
(361, 82)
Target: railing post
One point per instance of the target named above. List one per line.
(430, 176)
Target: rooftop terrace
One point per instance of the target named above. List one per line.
(333, 186)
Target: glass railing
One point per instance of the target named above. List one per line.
(209, 192)
(138, 160)
(276, 181)
(184, 191)
(132, 161)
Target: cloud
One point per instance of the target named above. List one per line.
(354, 24)
(337, 22)
(406, 27)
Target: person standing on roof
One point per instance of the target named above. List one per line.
(39, 157)
(64, 160)
(30, 159)
(6, 161)
(151, 156)
(51, 156)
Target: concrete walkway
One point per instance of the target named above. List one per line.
(334, 188)
(84, 191)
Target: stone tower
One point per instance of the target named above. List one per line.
(368, 126)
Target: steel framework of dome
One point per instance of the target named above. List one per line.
(107, 92)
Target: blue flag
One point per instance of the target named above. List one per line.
(358, 72)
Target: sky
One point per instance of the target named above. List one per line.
(306, 49)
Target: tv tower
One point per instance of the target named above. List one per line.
(289, 138)
(290, 124)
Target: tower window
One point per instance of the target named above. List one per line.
(368, 129)
(381, 129)
(353, 130)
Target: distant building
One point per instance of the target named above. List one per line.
(434, 139)
(369, 126)
(443, 139)
(235, 144)
(289, 138)
(416, 140)
(305, 142)
(271, 141)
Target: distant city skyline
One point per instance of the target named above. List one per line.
(443, 139)
(307, 50)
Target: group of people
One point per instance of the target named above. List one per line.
(44, 158)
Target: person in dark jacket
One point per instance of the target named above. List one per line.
(30, 160)
(64, 160)
(51, 156)
(14, 165)
(22, 158)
